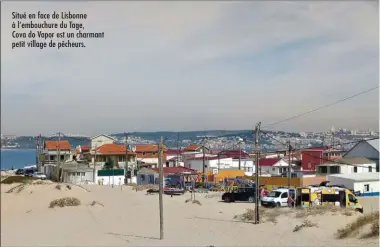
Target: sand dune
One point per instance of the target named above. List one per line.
(129, 218)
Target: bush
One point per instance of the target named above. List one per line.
(321, 210)
(93, 203)
(306, 223)
(354, 227)
(264, 215)
(65, 202)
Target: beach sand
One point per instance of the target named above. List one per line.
(129, 218)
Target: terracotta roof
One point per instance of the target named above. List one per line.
(235, 154)
(150, 156)
(174, 151)
(192, 148)
(268, 161)
(111, 149)
(148, 148)
(175, 170)
(85, 148)
(54, 145)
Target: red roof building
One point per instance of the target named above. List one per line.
(54, 145)
(268, 161)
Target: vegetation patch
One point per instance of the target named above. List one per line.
(145, 187)
(17, 179)
(354, 227)
(265, 215)
(93, 203)
(321, 210)
(65, 202)
(306, 223)
(58, 187)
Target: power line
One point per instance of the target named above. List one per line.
(322, 107)
(321, 158)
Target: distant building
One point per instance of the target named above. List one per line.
(347, 165)
(274, 166)
(367, 184)
(100, 140)
(368, 149)
(314, 156)
(147, 155)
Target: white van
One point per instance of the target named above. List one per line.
(277, 198)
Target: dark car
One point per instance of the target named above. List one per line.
(19, 172)
(28, 173)
(242, 194)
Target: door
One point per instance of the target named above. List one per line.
(284, 199)
(352, 201)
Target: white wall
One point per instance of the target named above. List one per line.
(277, 169)
(115, 180)
(341, 181)
(100, 140)
(225, 163)
(374, 186)
(148, 160)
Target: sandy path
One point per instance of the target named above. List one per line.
(131, 218)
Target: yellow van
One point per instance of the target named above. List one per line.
(327, 196)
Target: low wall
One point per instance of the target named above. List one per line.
(306, 181)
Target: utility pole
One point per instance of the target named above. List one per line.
(257, 152)
(58, 165)
(94, 171)
(161, 188)
(239, 155)
(203, 166)
(178, 151)
(290, 165)
(126, 160)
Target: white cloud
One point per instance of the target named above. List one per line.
(177, 65)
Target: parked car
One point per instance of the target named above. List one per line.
(39, 175)
(28, 173)
(277, 198)
(19, 172)
(241, 194)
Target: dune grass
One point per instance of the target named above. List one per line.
(355, 227)
(65, 202)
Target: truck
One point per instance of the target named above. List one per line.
(327, 196)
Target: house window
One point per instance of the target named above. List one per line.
(78, 174)
(62, 157)
(366, 188)
(370, 169)
(143, 153)
(273, 169)
(82, 174)
(355, 169)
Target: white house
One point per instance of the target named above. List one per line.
(100, 140)
(367, 183)
(222, 163)
(347, 165)
(274, 166)
(367, 149)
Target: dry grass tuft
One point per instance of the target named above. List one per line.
(306, 223)
(144, 187)
(58, 187)
(93, 203)
(197, 202)
(39, 182)
(266, 215)
(68, 187)
(321, 210)
(354, 227)
(188, 200)
(65, 202)
(212, 196)
(17, 188)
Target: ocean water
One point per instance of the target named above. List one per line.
(17, 158)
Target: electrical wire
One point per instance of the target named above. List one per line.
(321, 107)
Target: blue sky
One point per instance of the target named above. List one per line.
(195, 66)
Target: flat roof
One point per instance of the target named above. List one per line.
(364, 176)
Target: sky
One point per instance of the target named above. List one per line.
(184, 66)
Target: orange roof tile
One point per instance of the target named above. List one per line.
(148, 148)
(54, 145)
(112, 149)
(192, 148)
